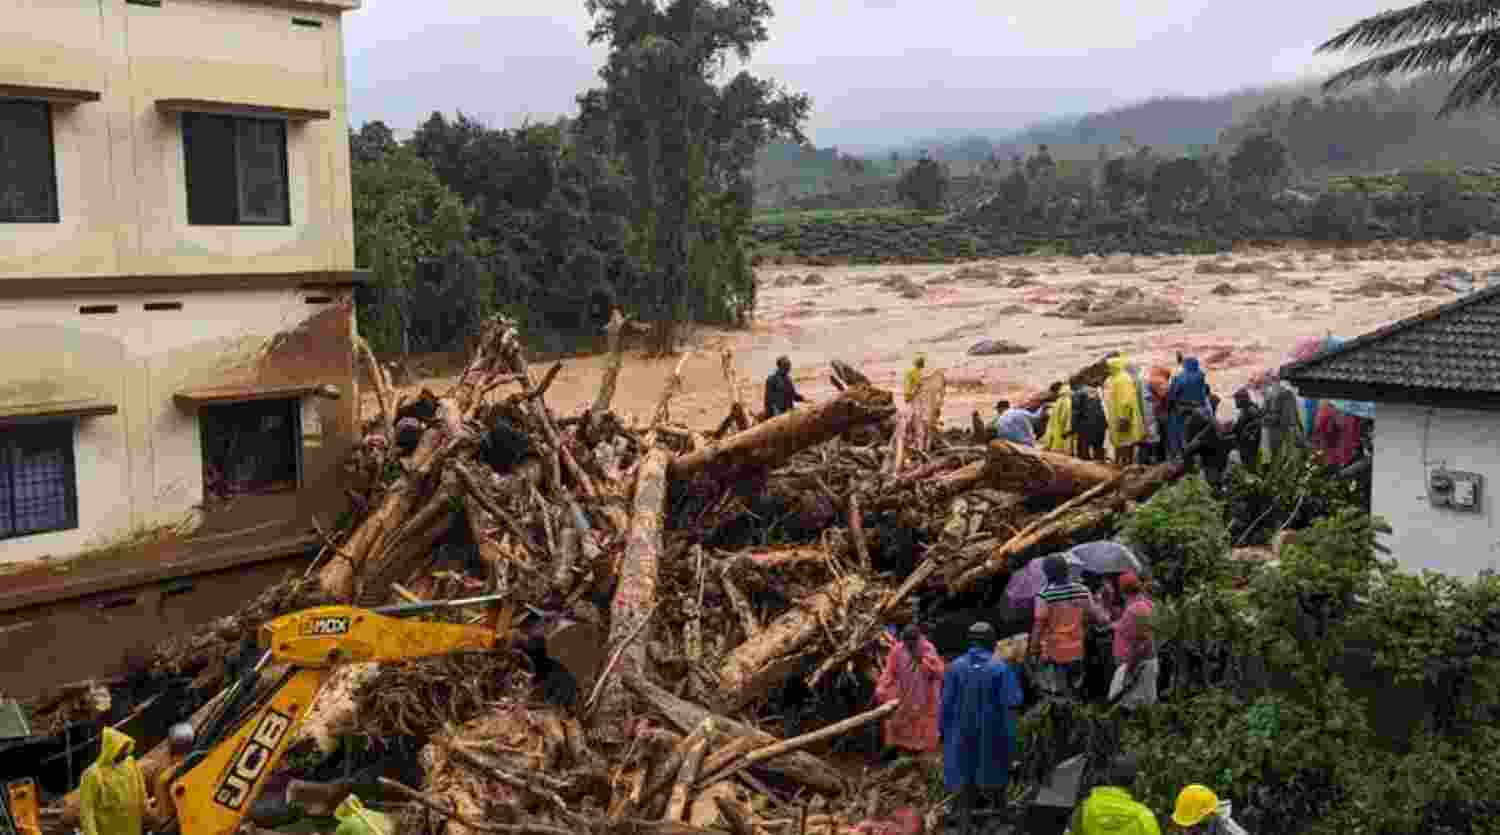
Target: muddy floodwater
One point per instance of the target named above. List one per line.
(1239, 312)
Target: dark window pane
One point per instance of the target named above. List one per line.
(262, 171)
(7, 526)
(38, 492)
(250, 448)
(28, 184)
(208, 153)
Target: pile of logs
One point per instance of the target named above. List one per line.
(636, 560)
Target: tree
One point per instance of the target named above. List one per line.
(924, 185)
(686, 140)
(1258, 164)
(1435, 36)
(403, 216)
(372, 141)
(1177, 188)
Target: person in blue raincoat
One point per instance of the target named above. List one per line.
(1188, 392)
(977, 724)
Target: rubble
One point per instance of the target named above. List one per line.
(651, 628)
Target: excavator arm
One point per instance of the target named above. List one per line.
(219, 782)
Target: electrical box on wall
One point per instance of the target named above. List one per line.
(1455, 490)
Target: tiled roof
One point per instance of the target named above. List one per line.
(1454, 347)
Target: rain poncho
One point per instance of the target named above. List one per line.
(1126, 424)
(112, 795)
(1279, 420)
(914, 377)
(1059, 434)
(919, 685)
(978, 728)
(1143, 400)
(1110, 810)
(1018, 426)
(355, 819)
(1188, 391)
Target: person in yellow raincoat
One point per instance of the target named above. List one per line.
(1059, 434)
(1126, 424)
(914, 377)
(112, 793)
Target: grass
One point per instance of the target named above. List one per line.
(1395, 184)
(787, 217)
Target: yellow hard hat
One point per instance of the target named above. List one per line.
(920, 359)
(1194, 804)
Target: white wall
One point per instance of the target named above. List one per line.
(1410, 442)
(121, 191)
(142, 467)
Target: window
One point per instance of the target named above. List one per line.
(250, 448)
(28, 179)
(236, 170)
(38, 486)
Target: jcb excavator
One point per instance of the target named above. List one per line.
(217, 783)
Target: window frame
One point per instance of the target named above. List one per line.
(62, 426)
(234, 196)
(56, 208)
(293, 443)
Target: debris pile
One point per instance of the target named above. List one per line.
(694, 619)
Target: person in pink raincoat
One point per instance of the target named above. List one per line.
(914, 674)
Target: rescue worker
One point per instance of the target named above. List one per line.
(1148, 414)
(1188, 392)
(1090, 424)
(1126, 423)
(1280, 421)
(1247, 429)
(1017, 424)
(160, 809)
(1201, 812)
(1157, 383)
(1136, 664)
(1110, 810)
(1059, 435)
(781, 393)
(914, 377)
(913, 674)
(978, 727)
(1060, 614)
(112, 792)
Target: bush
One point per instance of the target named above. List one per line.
(1288, 491)
(1181, 534)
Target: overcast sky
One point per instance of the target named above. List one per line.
(878, 71)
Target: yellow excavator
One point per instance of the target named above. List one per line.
(233, 755)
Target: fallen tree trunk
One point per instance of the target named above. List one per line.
(687, 775)
(800, 767)
(1018, 469)
(1131, 488)
(635, 596)
(797, 743)
(497, 356)
(772, 443)
(615, 331)
(752, 668)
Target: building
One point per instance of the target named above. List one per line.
(178, 390)
(1435, 378)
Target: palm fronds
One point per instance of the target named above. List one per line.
(1433, 36)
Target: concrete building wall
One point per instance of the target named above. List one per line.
(1412, 441)
(119, 160)
(143, 467)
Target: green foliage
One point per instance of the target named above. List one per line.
(1286, 491)
(924, 186)
(1181, 534)
(403, 217)
(1258, 164)
(685, 139)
